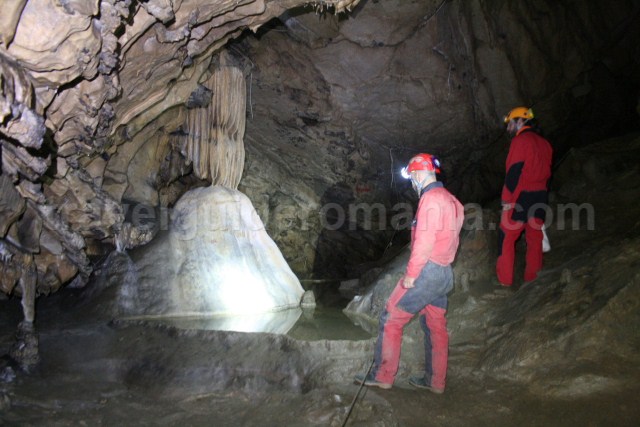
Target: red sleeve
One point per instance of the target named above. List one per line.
(514, 167)
(428, 222)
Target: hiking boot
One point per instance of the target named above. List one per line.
(419, 382)
(371, 382)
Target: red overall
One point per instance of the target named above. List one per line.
(434, 242)
(526, 190)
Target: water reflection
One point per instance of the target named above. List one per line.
(279, 322)
(308, 325)
(327, 324)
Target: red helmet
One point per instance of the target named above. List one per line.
(420, 162)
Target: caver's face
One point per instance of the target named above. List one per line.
(513, 126)
(417, 178)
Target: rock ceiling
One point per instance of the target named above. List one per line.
(95, 96)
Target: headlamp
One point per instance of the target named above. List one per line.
(405, 174)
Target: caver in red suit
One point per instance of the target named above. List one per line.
(524, 196)
(423, 289)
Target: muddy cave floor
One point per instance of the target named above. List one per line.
(95, 373)
(81, 382)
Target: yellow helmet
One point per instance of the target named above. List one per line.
(519, 112)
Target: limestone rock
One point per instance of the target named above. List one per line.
(308, 300)
(215, 259)
(225, 261)
(473, 263)
(25, 349)
(11, 204)
(97, 98)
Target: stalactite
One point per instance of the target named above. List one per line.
(215, 133)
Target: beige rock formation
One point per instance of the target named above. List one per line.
(95, 104)
(216, 259)
(78, 81)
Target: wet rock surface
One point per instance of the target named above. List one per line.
(96, 110)
(131, 373)
(93, 124)
(562, 350)
(215, 259)
(140, 372)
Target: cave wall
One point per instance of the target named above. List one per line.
(76, 90)
(435, 77)
(92, 110)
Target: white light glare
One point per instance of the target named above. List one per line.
(242, 291)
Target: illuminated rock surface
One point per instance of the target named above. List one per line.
(225, 262)
(560, 351)
(216, 259)
(98, 117)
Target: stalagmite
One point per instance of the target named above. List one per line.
(219, 259)
(18, 268)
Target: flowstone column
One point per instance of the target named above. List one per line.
(215, 143)
(218, 258)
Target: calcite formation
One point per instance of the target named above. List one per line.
(98, 101)
(216, 259)
(78, 81)
(215, 133)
